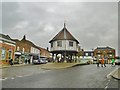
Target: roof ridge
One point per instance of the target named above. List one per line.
(64, 34)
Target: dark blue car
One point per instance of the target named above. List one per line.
(36, 59)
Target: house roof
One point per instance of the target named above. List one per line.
(6, 38)
(103, 48)
(44, 52)
(24, 40)
(88, 51)
(64, 34)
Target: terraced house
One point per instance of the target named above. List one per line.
(7, 49)
(25, 50)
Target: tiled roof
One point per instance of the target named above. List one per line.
(6, 38)
(103, 48)
(24, 40)
(44, 52)
(64, 34)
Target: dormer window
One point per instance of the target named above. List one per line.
(71, 44)
(59, 43)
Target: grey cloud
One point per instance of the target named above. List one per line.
(93, 24)
(9, 15)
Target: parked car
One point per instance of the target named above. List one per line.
(36, 59)
(16, 62)
(117, 62)
(43, 60)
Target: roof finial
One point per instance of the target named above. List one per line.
(24, 37)
(64, 23)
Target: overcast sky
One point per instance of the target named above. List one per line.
(91, 23)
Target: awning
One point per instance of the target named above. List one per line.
(17, 53)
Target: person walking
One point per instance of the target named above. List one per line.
(103, 62)
(11, 62)
(98, 62)
(28, 61)
(25, 61)
(113, 62)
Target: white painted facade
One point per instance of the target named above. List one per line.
(65, 45)
(35, 50)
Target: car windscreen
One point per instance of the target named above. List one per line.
(35, 57)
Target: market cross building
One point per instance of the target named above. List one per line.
(64, 47)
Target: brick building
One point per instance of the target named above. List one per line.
(7, 49)
(25, 49)
(44, 53)
(107, 52)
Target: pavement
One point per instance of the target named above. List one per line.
(49, 65)
(115, 74)
(15, 65)
(60, 65)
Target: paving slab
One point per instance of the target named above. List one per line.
(115, 74)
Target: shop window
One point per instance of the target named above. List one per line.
(9, 54)
(110, 55)
(3, 54)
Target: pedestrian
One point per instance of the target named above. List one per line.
(29, 61)
(11, 62)
(113, 62)
(103, 62)
(98, 62)
(25, 61)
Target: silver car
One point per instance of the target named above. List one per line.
(43, 60)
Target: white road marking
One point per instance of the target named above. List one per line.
(27, 75)
(3, 79)
(115, 80)
(107, 83)
(12, 78)
(19, 76)
(106, 87)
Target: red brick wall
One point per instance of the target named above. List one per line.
(7, 47)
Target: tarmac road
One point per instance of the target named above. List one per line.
(86, 76)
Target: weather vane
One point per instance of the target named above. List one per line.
(64, 23)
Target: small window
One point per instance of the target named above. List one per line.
(71, 44)
(59, 43)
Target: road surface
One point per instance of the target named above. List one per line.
(86, 76)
